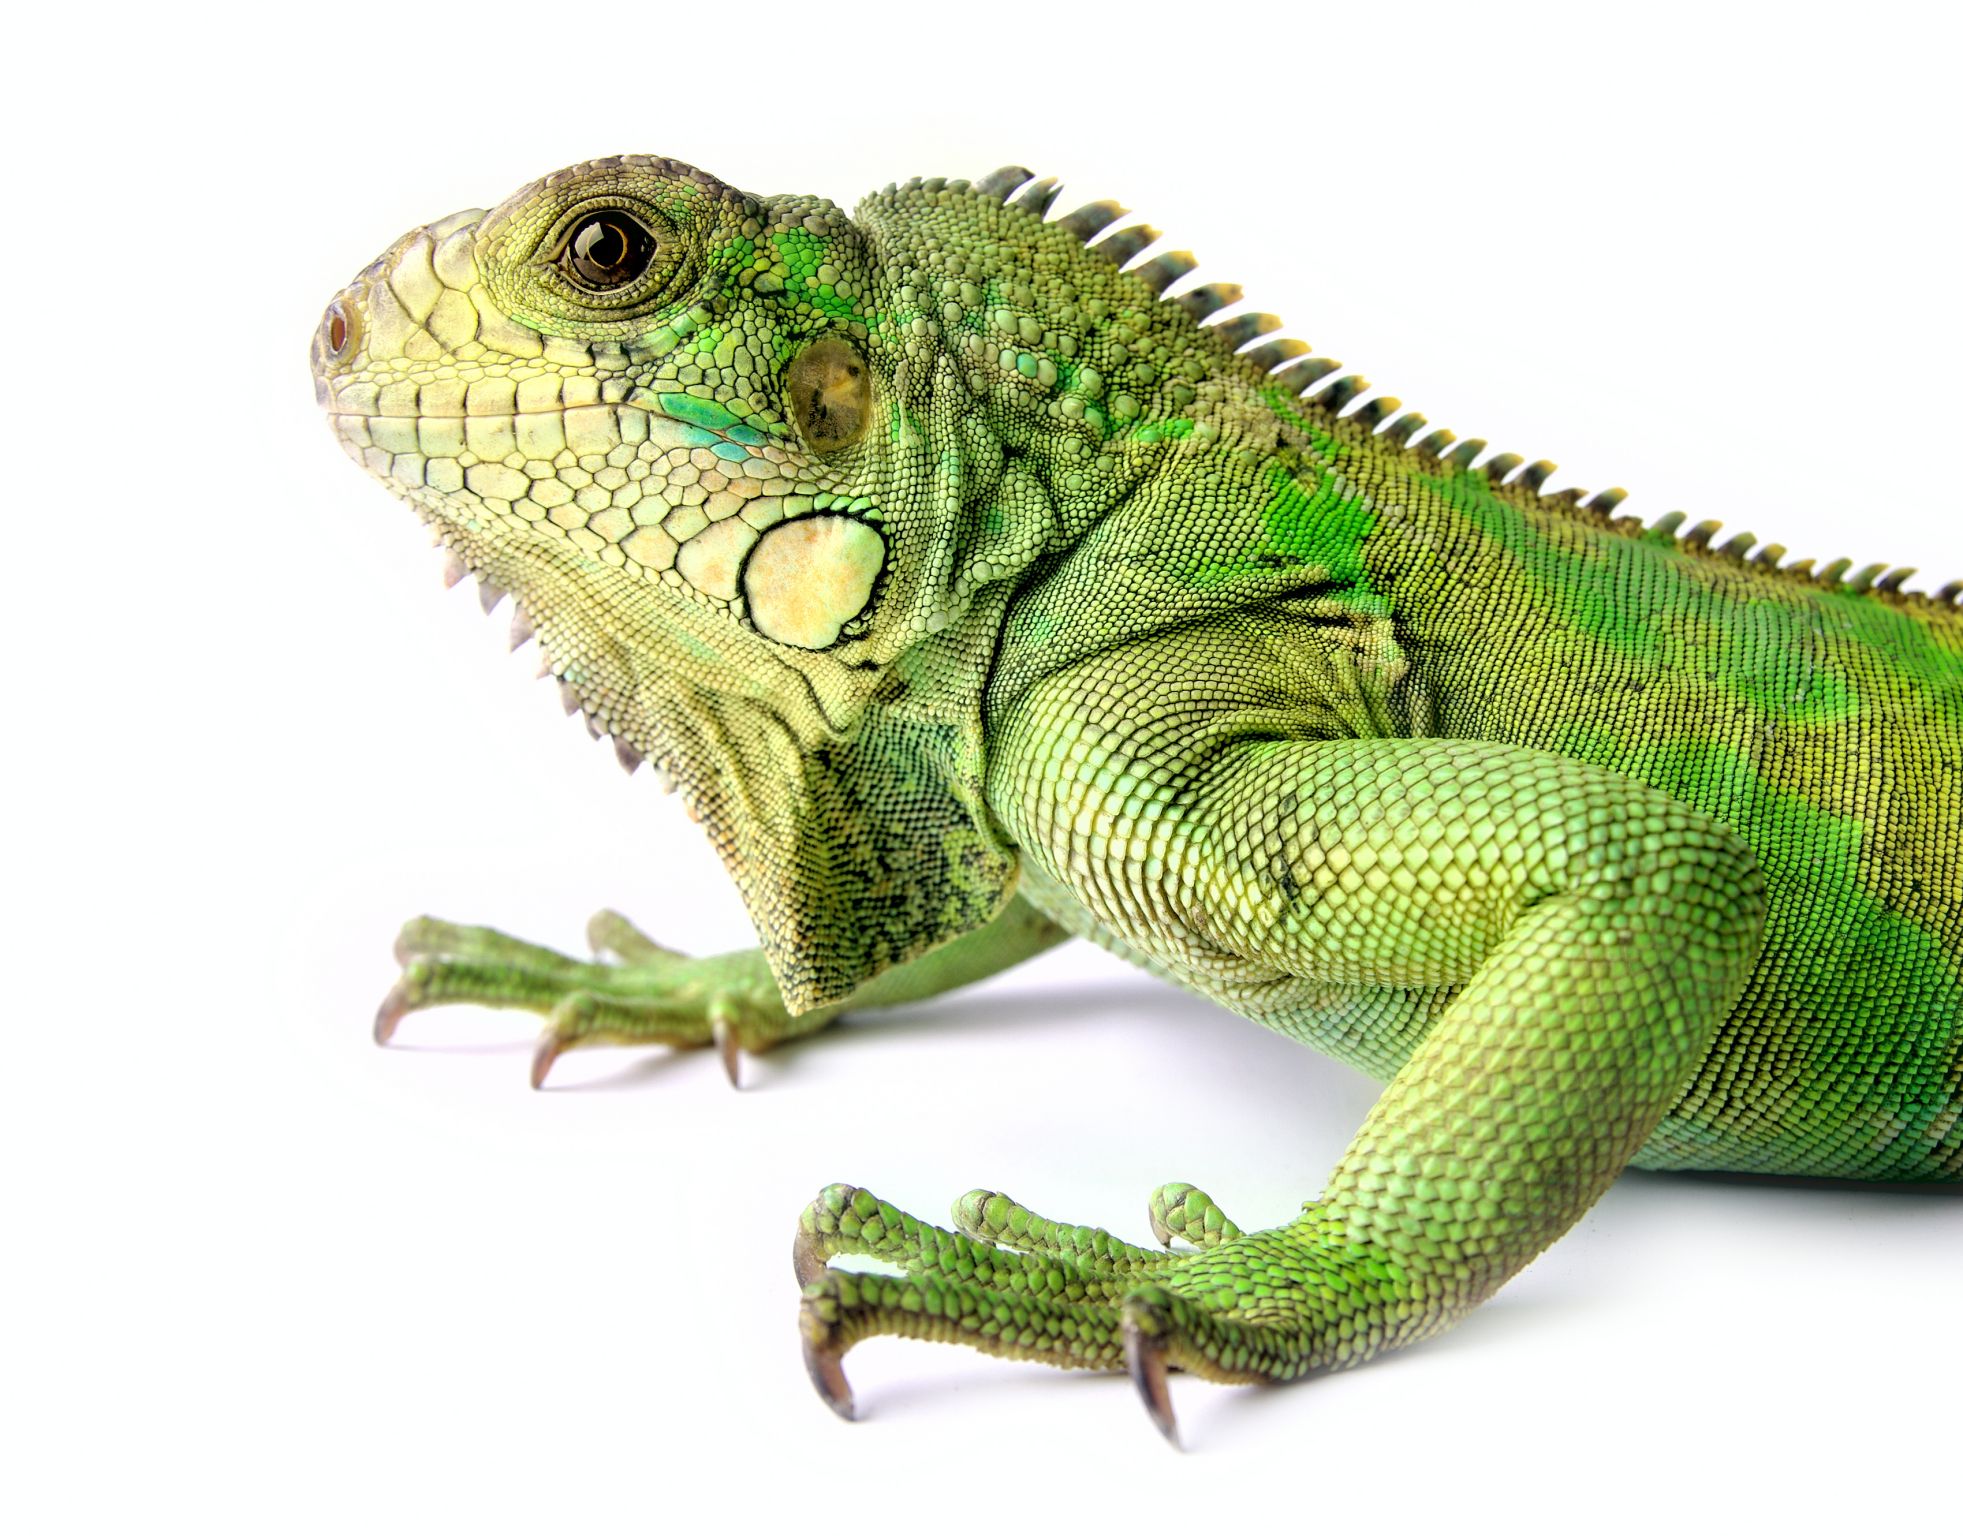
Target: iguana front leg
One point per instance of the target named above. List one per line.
(1585, 936)
(652, 995)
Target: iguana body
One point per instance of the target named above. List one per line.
(977, 595)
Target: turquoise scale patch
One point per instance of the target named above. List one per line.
(697, 411)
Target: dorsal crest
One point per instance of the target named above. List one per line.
(1256, 342)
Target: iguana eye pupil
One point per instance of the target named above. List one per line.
(607, 250)
(337, 333)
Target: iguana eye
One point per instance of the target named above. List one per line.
(606, 250)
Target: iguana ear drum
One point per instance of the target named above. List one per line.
(831, 395)
(808, 578)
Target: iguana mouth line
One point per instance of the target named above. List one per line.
(598, 405)
(643, 401)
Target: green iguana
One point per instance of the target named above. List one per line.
(978, 593)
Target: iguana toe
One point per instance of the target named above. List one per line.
(1181, 1211)
(610, 934)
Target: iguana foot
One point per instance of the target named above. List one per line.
(647, 994)
(1247, 1307)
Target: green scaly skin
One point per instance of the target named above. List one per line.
(977, 595)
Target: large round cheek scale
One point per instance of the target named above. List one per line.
(807, 579)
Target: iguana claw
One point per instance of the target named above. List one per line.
(393, 1007)
(807, 1258)
(1145, 1359)
(543, 1055)
(828, 1376)
(727, 1047)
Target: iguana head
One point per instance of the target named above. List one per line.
(762, 479)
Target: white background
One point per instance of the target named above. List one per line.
(264, 1277)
